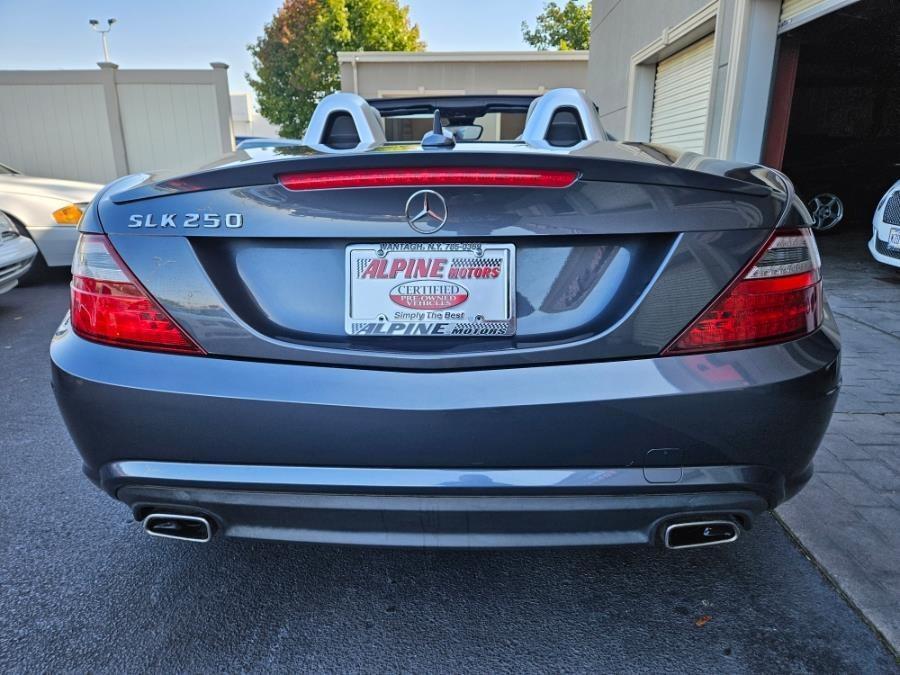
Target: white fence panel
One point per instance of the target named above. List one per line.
(97, 125)
(56, 130)
(169, 126)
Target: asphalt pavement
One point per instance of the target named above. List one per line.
(82, 589)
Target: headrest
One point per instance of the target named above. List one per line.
(344, 122)
(562, 118)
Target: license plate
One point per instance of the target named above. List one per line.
(435, 289)
(894, 238)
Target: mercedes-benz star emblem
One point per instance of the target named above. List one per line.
(426, 211)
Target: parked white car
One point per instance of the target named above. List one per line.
(16, 254)
(885, 243)
(46, 210)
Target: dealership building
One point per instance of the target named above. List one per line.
(747, 79)
(807, 86)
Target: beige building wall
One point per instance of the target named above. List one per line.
(97, 125)
(397, 74)
(618, 31)
(248, 122)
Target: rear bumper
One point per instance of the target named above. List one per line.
(595, 453)
(440, 507)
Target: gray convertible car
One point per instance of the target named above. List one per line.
(492, 327)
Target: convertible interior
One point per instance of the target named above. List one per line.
(473, 119)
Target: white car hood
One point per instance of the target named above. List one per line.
(68, 190)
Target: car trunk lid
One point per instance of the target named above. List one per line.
(611, 263)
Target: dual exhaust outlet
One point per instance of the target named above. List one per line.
(178, 526)
(692, 534)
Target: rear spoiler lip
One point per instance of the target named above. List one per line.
(739, 179)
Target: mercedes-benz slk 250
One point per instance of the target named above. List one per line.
(548, 338)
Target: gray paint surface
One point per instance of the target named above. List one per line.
(613, 412)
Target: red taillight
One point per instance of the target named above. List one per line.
(448, 176)
(110, 306)
(778, 297)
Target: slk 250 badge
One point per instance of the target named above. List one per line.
(187, 220)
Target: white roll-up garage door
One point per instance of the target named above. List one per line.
(681, 97)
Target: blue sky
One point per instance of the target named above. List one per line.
(50, 34)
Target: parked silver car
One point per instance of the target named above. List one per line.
(17, 253)
(46, 210)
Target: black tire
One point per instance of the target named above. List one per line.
(39, 270)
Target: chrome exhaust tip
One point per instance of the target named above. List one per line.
(177, 526)
(701, 533)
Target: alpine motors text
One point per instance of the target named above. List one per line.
(428, 288)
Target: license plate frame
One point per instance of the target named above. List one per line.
(470, 294)
(893, 240)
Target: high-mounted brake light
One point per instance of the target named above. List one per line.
(430, 176)
(110, 306)
(777, 297)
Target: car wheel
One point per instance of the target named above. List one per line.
(39, 270)
(827, 211)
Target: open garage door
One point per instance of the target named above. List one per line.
(835, 112)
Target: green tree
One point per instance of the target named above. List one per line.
(564, 28)
(296, 56)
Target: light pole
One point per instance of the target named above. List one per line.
(103, 31)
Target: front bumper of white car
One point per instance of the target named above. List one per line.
(882, 252)
(886, 229)
(16, 256)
